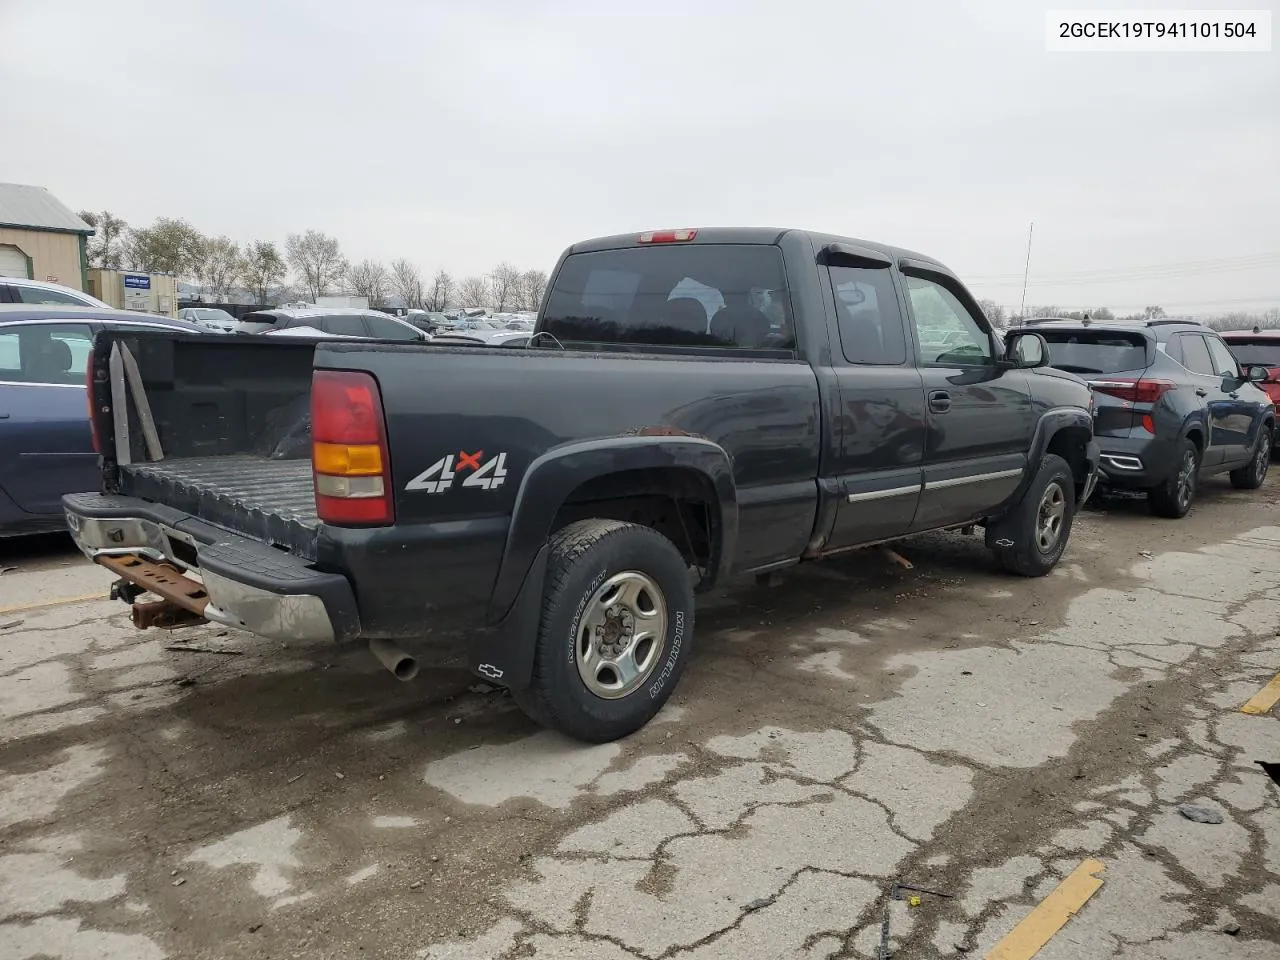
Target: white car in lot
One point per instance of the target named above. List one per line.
(211, 318)
(22, 290)
(329, 322)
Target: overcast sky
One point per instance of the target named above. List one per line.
(459, 135)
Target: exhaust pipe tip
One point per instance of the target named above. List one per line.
(402, 666)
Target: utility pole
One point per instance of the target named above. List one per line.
(1022, 311)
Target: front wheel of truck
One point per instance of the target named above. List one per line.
(617, 622)
(1031, 539)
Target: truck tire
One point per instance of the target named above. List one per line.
(1252, 475)
(615, 632)
(1172, 499)
(1031, 539)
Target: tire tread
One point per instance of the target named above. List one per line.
(567, 547)
(1023, 558)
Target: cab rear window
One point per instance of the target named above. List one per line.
(1096, 351)
(686, 295)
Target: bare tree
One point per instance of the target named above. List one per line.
(216, 263)
(167, 246)
(106, 246)
(317, 259)
(261, 268)
(407, 283)
(993, 312)
(504, 285)
(440, 292)
(369, 279)
(475, 292)
(533, 286)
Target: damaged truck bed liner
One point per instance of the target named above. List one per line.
(269, 500)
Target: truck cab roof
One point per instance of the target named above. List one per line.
(752, 235)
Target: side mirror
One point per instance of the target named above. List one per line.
(1026, 350)
(1256, 373)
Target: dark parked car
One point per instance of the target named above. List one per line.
(1258, 348)
(694, 406)
(1172, 406)
(428, 321)
(46, 448)
(368, 324)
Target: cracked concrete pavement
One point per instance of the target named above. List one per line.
(946, 726)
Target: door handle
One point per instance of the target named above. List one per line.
(939, 401)
(1201, 392)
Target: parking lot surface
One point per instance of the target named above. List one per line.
(1021, 747)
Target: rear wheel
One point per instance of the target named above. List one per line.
(617, 621)
(1173, 497)
(1252, 475)
(1031, 540)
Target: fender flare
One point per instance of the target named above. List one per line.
(1052, 422)
(555, 474)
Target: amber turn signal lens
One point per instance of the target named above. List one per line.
(347, 460)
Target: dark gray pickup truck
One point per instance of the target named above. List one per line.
(694, 405)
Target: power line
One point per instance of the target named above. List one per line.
(1272, 299)
(1150, 272)
(1268, 300)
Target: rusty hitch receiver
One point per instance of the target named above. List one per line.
(182, 600)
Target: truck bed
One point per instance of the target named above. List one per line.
(270, 500)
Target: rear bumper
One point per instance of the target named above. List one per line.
(249, 584)
(1136, 462)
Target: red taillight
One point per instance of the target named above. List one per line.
(666, 236)
(1134, 390)
(91, 403)
(349, 457)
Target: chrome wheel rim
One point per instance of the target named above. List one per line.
(1050, 516)
(1263, 460)
(622, 635)
(1186, 479)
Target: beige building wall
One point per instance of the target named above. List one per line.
(108, 286)
(55, 256)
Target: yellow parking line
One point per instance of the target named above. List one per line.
(1036, 929)
(1264, 699)
(60, 602)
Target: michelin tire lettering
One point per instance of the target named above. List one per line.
(677, 640)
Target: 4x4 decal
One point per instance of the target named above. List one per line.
(441, 475)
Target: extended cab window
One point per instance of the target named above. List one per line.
(45, 353)
(710, 295)
(948, 334)
(868, 315)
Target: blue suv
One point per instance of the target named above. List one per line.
(1171, 405)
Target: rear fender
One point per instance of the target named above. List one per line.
(553, 476)
(502, 651)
